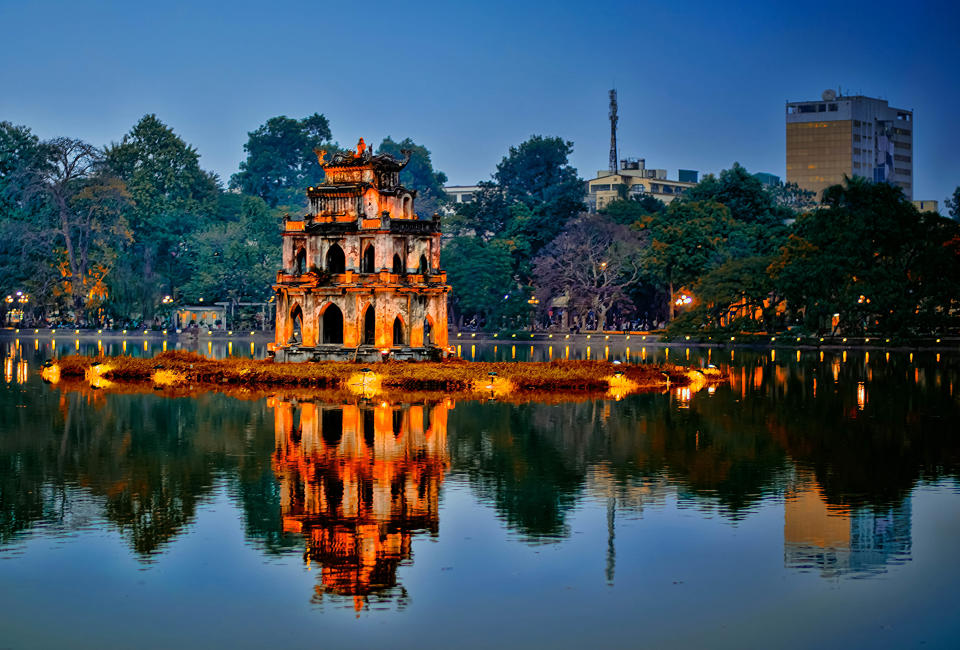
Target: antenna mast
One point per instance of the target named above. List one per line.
(613, 130)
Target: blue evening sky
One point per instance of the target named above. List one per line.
(701, 84)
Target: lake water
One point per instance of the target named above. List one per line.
(812, 502)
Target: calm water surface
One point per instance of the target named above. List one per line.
(813, 502)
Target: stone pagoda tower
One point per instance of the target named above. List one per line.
(361, 277)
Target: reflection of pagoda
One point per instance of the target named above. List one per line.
(842, 540)
(357, 482)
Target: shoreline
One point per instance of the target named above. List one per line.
(931, 343)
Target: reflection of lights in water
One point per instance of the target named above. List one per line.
(606, 352)
(145, 348)
(683, 395)
(938, 357)
(773, 355)
(667, 354)
(688, 354)
(566, 352)
(76, 344)
(711, 390)
(99, 346)
(628, 353)
(124, 347)
(513, 352)
(473, 352)
(814, 386)
(36, 344)
(911, 357)
(252, 350)
(861, 395)
(886, 357)
(8, 369)
(844, 356)
(821, 356)
(798, 355)
(731, 355)
(460, 352)
(916, 375)
(550, 352)
(230, 348)
(531, 353)
(588, 351)
(210, 348)
(866, 357)
(836, 370)
(643, 354)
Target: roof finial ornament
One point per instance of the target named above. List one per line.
(361, 147)
(321, 154)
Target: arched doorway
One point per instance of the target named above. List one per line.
(397, 264)
(300, 262)
(336, 261)
(423, 267)
(332, 325)
(366, 264)
(427, 332)
(397, 331)
(369, 326)
(296, 325)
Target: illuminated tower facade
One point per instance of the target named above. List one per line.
(361, 274)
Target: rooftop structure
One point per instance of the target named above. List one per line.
(851, 136)
(634, 179)
(360, 277)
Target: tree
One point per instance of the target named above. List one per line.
(953, 205)
(236, 257)
(25, 242)
(537, 175)
(418, 174)
(90, 226)
(629, 211)
(592, 262)
(743, 282)
(172, 198)
(685, 242)
(872, 258)
(761, 218)
(280, 162)
(482, 279)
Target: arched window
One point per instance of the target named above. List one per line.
(332, 325)
(397, 264)
(427, 332)
(296, 325)
(336, 261)
(366, 265)
(423, 268)
(408, 206)
(397, 331)
(300, 263)
(369, 326)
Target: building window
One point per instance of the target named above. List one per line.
(832, 108)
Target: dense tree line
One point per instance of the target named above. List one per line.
(730, 254)
(118, 235)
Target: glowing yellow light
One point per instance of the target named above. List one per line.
(76, 331)
(473, 335)
(550, 336)
(459, 334)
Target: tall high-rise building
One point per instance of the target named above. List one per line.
(848, 135)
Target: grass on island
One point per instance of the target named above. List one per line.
(184, 369)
